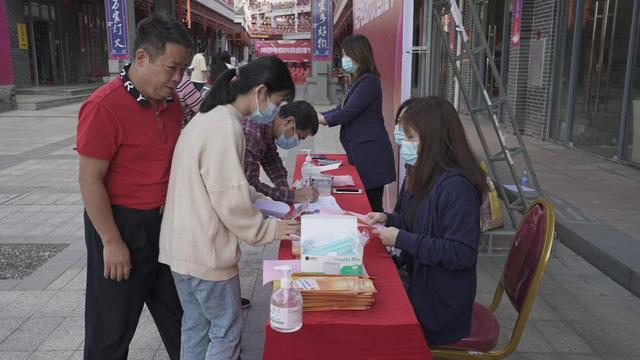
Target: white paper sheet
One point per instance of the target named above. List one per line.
(343, 180)
(273, 208)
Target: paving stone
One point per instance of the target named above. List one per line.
(8, 325)
(531, 341)
(64, 279)
(78, 283)
(561, 337)
(64, 303)
(161, 354)
(26, 304)
(50, 355)
(39, 280)
(141, 354)
(257, 317)
(31, 334)
(146, 336)
(14, 355)
(7, 297)
(6, 285)
(251, 345)
(67, 336)
(610, 338)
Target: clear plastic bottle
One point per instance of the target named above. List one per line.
(286, 305)
(306, 169)
(524, 179)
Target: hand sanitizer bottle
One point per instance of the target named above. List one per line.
(306, 168)
(286, 305)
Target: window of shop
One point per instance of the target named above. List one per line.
(595, 86)
(69, 41)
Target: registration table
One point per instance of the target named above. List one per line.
(388, 330)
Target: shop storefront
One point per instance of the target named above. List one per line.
(587, 92)
(598, 103)
(67, 41)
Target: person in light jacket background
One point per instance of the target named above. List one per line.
(362, 131)
(437, 221)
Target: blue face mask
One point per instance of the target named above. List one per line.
(348, 65)
(409, 152)
(399, 135)
(288, 143)
(269, 113)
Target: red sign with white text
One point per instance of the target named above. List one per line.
(287, 50)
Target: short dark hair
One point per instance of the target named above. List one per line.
(154, 32)
(267, 70)
(443, 145)
(304, 113)
(358, 48)
(224, 56)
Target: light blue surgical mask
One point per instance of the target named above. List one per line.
(399, 135)
(288, 143)
(269, 113)
(348, 65)
(409, 152)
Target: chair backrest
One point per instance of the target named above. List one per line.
(529, 254)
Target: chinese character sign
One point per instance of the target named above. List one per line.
(117, 29)
(322, 30)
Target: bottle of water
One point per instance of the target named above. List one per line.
(524, 179)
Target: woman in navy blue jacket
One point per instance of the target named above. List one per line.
(362, 134)
(437, 221)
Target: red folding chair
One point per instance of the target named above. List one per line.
(520, 280)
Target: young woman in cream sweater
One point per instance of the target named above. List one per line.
(209, 207)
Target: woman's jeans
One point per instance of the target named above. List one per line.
(212, 320)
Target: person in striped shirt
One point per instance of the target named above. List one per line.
(190, 98)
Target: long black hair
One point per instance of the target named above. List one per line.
(443, 144)
(358, 48)
(268, 70)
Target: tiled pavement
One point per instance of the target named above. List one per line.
(579, 314)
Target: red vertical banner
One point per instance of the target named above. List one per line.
(6, 70)
(516, 20)
(382, 23)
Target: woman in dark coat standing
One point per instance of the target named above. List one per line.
(362, 133)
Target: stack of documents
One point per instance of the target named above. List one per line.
(326, 292)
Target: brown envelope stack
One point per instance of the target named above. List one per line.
(333, 292)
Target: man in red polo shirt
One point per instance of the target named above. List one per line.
(126, 134)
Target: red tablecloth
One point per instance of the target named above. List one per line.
(388, 330)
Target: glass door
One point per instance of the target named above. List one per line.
(601, 80)
(632, 141)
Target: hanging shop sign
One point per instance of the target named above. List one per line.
(117, 29)
(322, 30)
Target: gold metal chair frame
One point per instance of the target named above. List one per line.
(523, 316)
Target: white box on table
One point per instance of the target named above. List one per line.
(330, 244)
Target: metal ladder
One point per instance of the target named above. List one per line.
(498, 109)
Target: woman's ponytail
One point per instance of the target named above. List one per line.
(268, 70)
(221, 93)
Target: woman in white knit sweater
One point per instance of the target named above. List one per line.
(209, 207)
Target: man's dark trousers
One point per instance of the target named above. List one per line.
(112, 308)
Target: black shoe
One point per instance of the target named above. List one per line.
(245, 303)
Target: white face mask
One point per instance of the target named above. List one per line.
(269, 113)
(290, 142)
